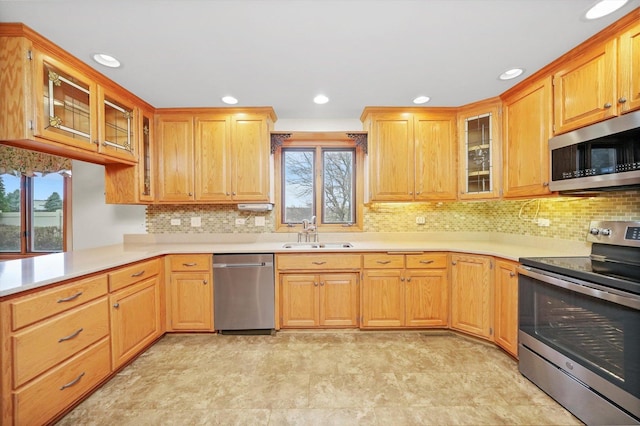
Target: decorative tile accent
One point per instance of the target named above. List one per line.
(569, 216)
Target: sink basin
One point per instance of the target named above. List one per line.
(317, 245)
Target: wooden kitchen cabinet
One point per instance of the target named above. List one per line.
(598, 82)
(190, 294)
(506, 306)
(412, 154)
(55, 349)
(479, 133)
(214, 155)
(54, 103)
(527, 121)
(134, 309)
(472, 294)
(401, 290)
(318, 290)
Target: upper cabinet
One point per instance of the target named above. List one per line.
(213, 155)
(479, 130)
(412, 153)
(598, 82)
(52, 102)
(527, 124)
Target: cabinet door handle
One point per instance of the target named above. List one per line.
(607, 105)
(454, 263)
(426, 262)
(73, 382)
(315, 283)
(319, 262)
(70, 298)
(191, 194)
(189, 264)
(402, 279)
(512, 274)
(622, 100)
(321, 283)
(409, 279)
(545, 184)
(384, 262)
(137, 274)
(116, 305)
(205, 282)
(71, 336)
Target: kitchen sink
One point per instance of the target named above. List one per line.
(317, 245)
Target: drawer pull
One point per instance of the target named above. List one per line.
(70, 298)
(384, 262)
(190, 264)
(73, 382)
(137, 274)
(319, 263)
(426, 262)
(71, 336)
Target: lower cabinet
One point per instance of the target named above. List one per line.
(190, 293)
(472, 294)
(506, 306)
(401, 290)
(319, 300)
(135, 311)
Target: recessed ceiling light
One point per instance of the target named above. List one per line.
(512, 73)
(421, 100)
(321, 99)
(603, 8)
(229, 100)
(106, 60)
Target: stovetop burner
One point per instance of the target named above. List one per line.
(614, 260)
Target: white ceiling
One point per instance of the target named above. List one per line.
(282, 53)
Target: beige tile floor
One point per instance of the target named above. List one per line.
(320, 378)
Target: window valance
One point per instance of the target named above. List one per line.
(18, 162)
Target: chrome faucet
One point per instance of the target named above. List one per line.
(309, 231)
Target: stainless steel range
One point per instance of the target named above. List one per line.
(579, 326)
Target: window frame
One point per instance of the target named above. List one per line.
(26, 219)
(319, 141)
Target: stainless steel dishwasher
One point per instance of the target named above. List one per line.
(244, 293)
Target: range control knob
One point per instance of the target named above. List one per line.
(605, 232)
(594, 231)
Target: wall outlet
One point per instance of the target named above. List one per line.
(420, 220)
(240, 221)
(176, 222)
(259, 221)
(196, 222)
(544, 222)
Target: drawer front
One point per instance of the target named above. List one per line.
(190, 262)
(42, 346)
(30, 309)
(318, 261)
(427, 261)
(128, 275)
(383, 261)
(41, 400)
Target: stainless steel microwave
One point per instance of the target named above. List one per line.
(602, 156)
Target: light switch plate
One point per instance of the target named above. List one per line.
(240, 221)
(420, 220)
(176, 222)
(196, 221)
(259, 221)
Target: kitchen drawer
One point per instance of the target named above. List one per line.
(318, 261)
(30, 309)
(44, 398)
(190, 262)
(427, 261)
(42, 346)
(383, 261)
(128, 275)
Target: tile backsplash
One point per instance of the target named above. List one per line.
(568, 217)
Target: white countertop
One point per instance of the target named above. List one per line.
(26, 274)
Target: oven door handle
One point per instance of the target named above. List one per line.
(630, 301)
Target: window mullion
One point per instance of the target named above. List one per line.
(318, 186)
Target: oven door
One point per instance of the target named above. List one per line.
(595, 331)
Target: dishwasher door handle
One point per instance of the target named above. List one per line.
(240, 265)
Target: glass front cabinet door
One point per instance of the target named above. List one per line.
(67, 101)
(479, 129)
(145, 157)
(117, 119)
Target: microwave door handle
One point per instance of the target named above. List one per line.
(628, 301)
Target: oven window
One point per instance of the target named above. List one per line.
(602, 336)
